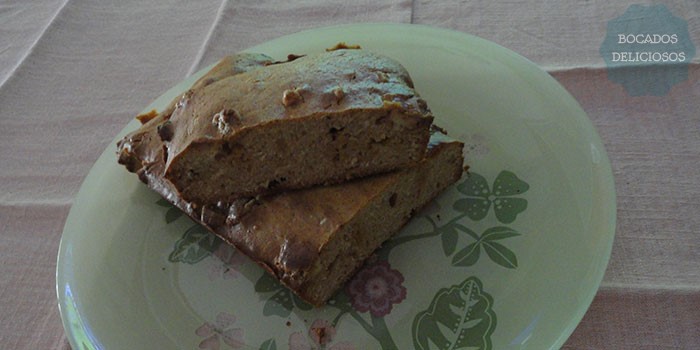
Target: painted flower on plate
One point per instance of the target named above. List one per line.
(376, 288)
(504, 195)
(320, 336)
(220, 330)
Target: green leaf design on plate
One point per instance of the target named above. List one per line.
(475, 208)
(498, 233)
(500, 254)
(173, 212)
(474, 186)
(459, 317)
(283, 301)
(476, 204)
(507, 184)
(269, 344)
(467, 256)
(478, 197)
(195, 245)
(341, 301)
(280, 304)
(508, 208)
(449, 240)
(266, 283)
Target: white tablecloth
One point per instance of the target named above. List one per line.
(74, 72)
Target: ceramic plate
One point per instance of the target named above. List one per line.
(510, 257)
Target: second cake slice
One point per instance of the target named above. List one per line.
(314, 239)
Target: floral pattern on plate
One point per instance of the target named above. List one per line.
(221, 330)
(459, 316)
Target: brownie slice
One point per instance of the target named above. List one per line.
(253, 126)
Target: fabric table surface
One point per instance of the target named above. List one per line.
(73, 73)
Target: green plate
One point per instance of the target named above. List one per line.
(508, 258)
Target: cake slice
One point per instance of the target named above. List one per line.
(253, 126)
(314, 239)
